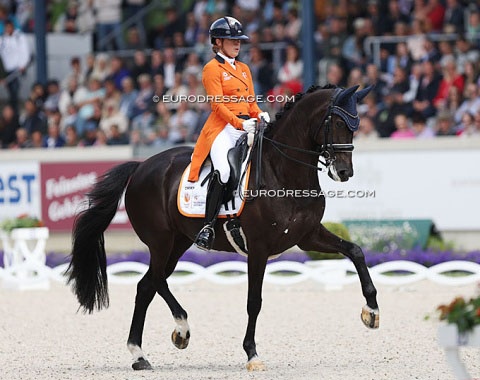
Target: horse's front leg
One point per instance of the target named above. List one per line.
(256, 272)
(325, 241)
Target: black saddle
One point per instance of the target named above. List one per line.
(235, 157)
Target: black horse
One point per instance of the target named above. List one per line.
(319, 124)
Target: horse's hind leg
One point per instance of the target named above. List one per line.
(325, 241)
(162, 264)
(181, 333)
(145, 293)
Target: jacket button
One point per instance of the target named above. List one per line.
(238, 89)
(246, 89)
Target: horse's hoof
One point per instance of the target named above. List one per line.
(178, 341)
(370, 317)
(255, 364)
(141, 364)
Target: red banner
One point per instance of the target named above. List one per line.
(64, 186)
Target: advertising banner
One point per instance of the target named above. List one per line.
(19, 189)
(64, 186)
(442, 186)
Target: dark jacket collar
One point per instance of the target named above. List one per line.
(222, 61)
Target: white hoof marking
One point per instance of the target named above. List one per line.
(136, 352)
(182, 327)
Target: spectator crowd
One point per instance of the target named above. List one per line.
(426, 81)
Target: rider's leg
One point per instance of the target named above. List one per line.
(216, 188)
(224, 141)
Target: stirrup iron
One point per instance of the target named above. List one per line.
(205, 238)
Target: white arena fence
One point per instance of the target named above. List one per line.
(25, 268)
(330, 273)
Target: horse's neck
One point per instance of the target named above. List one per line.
(286, 172)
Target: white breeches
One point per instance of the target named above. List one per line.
(224, 141)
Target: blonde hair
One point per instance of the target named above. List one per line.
(215, 47)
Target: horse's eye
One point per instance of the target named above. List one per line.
(339, 123)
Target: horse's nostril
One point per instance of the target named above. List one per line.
(345, 173)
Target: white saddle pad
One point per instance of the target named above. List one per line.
(191, 196)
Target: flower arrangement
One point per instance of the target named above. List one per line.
(464, 313)
(21, 221)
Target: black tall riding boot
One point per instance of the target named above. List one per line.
(215, 194)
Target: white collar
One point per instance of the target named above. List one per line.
(228, 59)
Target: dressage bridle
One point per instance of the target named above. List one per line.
(326, 151)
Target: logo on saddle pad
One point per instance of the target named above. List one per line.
(191, 197)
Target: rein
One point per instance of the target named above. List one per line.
(277, 145)
(326, 151)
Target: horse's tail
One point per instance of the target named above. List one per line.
(87, 270)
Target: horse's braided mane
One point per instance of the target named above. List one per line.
(300, 95)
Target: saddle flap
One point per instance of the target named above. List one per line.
(235, 157)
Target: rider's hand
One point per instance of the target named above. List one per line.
(250, 125)
(265, 116)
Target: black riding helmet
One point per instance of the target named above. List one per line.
(228, 28)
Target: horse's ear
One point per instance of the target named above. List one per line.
(362, 93)
(346, 94)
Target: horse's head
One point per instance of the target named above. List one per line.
(334, 137)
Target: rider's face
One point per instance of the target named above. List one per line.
(230, 48)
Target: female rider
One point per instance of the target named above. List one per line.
(229, 88)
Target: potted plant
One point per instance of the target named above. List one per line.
(465, 314)
(24, 239)
(22, 221)
(462, 329)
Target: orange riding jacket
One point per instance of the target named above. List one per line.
(222, 81)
